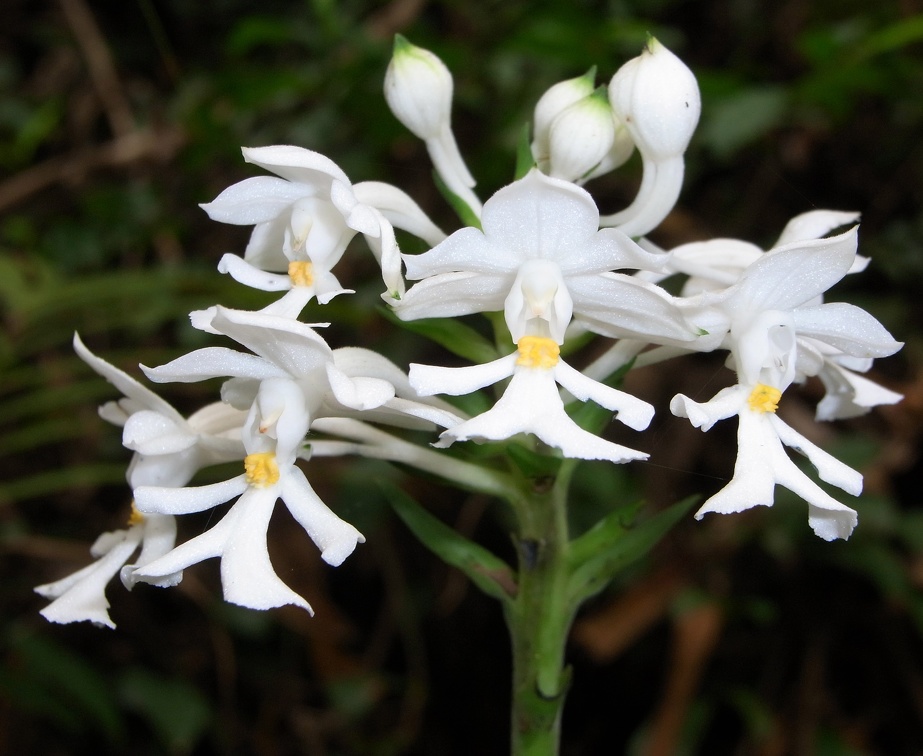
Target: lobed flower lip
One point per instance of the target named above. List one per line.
(239, 538)
(762, 464)
(532, 404)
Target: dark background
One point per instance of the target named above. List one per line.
(739, 635)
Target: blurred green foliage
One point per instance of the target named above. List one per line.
(805, 106)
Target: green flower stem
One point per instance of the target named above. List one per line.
(539, 618)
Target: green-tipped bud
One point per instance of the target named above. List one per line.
(580, 136)
(418, 89)
(657, 98)
(550, 105)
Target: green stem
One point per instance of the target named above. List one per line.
(539, 618)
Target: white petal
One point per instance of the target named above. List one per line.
(358, 393)
(247, 576)
(828, 467)
(159, 538)
(620, 306)
(814, 224)
(539, 217)
(249, 275)
(400, 210)
(358, 216)
(388, 255)
(149, 432)
(296, 164)
(453, 294)
(266, 245)
(210, 544)
(430, 379)
(633, 412)
(292, 346)
(290, 304)
(335, 538)
(850, 395)
(212, 362)
(846, 327)
(125, 383)
(254, 200)
(610, 249)
(401, 410)
(356, 361)
(81, 596)
(531, 404)
(162, 500)
(239, 393)
(468, 249)
(704, 415)
(168, 470)
(754, 479)
(792, 275)
(216, 418)
(828, 518)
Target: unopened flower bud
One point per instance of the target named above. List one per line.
(418, 89)
(657, 98)
(581, 136)
(555, 100)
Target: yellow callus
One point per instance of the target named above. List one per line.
(538, 352)
(135, 518)
(301, 273)
(261, 469)
(764, 398)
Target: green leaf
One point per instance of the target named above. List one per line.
(604, 533)
(532, 464)
(452, 334)
(486, 570)
(60, 679)
(175, 710)
(525, 161)
(601, 552)
(743, 117)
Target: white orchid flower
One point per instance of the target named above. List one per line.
(344, 382)
(275, 430)
(283, 349)
(715, 265)
(532, 403)
(774, 327)
(168, 450)
(541, 255)
(304, 218)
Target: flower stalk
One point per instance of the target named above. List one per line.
(539, 619)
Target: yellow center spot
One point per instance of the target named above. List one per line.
(135, 518)
(261, 469)
(764, 398)
(538, 352)
(301, 273)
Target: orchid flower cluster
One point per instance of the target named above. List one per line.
(550, 269)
